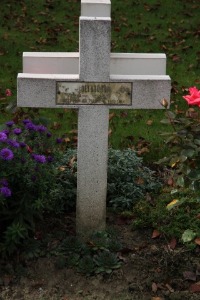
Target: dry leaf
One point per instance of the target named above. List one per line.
(154, 287)
(188, 275)
(197, 241)
(155, 234)
(149, 122)
(111, 115)
(169, 288)
(172, 244)
(195, 288)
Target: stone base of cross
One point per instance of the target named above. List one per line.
(94, 81)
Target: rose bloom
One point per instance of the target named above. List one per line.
(194, 97)
(8, 93)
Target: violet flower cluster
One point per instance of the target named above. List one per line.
(19, 144)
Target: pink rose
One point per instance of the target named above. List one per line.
(194, 97)
(8, 93)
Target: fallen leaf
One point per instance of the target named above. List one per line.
(197, 241)
(188, 275)
(154, 287)
(156, 298)
(155, 234)
(195, 288)
(149, 122)
(111, 115)
(169, 288)
(172, 244)
(173, 203)
(71, 162)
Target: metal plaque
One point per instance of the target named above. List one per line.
(93, 93)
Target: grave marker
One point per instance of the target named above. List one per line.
(93, 80)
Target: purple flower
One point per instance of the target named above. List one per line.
(49, 134)
(13, 143)
(39, 158)
(5, 191)
(41, 128)
(17, 131)
(30, 126)
(6, 154)
(49, 158)
(10, 123)
(58, 140)
(6, 131)
(3, 137)
(22, 144)
(26, 121)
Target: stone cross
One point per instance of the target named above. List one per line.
(93, 81)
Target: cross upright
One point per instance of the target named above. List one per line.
(93, 81)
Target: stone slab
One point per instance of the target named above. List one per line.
(39, 90)
(95, 8)
(92, 169)
(94, 43)
(120, 63)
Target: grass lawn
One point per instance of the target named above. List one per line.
(153, 26)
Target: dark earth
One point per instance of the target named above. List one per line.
(153, 268)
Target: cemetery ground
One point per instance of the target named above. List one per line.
(153, 268)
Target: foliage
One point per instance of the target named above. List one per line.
(26, 176)
(128, 180)
(184, 143)
(96, 255)
(181, 218)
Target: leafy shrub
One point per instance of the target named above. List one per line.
(128, 180)
(26, 176)
(184, 142)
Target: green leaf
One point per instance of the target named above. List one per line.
(188, 152)
(197, 142)
(194, 175)
(188, 235)
(165, 121)
(170, 114)
(180, 181)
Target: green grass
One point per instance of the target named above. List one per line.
(153, 26)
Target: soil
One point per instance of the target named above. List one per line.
(152, 269)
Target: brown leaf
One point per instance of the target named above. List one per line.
(195, 288)
(188, 275)
(71, 162)
(154, 287)
(149, 122)
(170, 181)
(169, 288)
(111, 115)
(197, 241)
(155, 234)
(66, 140)
(156, 298)
(172, 244)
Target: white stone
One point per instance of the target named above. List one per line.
(120, 63)
(95, 8)
(94, 63)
